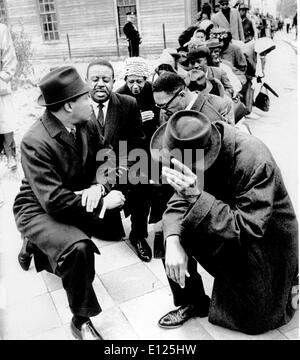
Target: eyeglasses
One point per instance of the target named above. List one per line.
(165, 106)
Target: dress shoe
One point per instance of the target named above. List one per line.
(86, 331)
(11, 163)
(25, 255)
(178, 317)
(142, 248)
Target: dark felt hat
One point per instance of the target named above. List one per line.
(214, 44)
(186, 130)
(60, 85)
(199, 52)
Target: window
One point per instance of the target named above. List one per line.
(48, 20)
(124, 6)
(3, 14)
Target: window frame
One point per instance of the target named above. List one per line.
(40, 14)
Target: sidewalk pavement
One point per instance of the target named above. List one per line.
(133, 294)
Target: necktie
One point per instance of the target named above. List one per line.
(73, 134)
(100, 117)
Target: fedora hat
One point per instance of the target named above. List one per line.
(60, 85)
(200, 52)
(186, 129)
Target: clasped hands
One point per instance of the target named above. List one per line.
(90, 198)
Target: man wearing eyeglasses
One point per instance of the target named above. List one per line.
(229, 18)
(171, 95)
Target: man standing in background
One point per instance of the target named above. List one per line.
(229, 18)
(132, 34)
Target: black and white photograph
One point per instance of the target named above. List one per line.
(149, 173)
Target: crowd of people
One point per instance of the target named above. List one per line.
(224, 206)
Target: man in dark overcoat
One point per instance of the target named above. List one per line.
(118, 119)
(59, 203)
(132, 34)
(248, 27)
(235, 218)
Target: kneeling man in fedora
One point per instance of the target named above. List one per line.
(235, 218)
(60, 205)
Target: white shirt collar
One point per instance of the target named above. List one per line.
(70, 129)
(195, 95)
(96, 109)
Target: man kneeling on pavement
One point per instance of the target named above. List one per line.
(235, 218)
(60, 205)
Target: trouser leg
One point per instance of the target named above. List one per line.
(193, 292)
(248, 94)
(9, 144)
(76, 268)
(135, 49)
(139, 207)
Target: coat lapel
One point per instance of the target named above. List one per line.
(112, 118)
(56, 129)
(223, 18)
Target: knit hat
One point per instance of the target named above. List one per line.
(136, 66)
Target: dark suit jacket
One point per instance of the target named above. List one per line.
(46, 209)
(122, 123)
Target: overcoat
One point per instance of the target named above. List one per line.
(244, 231)
(219, 74)
(235, 26)
(46, 209)
(122, 123)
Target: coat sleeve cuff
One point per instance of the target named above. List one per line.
(198, 211)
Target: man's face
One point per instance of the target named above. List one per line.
(170, 103)
(224, 4)
(215, 55)
(100, 78)
(200, 36)
(81, 109)
(131, 18)
(243, 13)
(135, 83)
(199, 64)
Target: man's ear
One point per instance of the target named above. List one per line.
(68, 107)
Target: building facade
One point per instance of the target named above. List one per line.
(86, 28)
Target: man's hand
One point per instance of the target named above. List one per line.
(114, 199)
(147, 115)
(176, 260)
(90, 197)
(183, 180)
